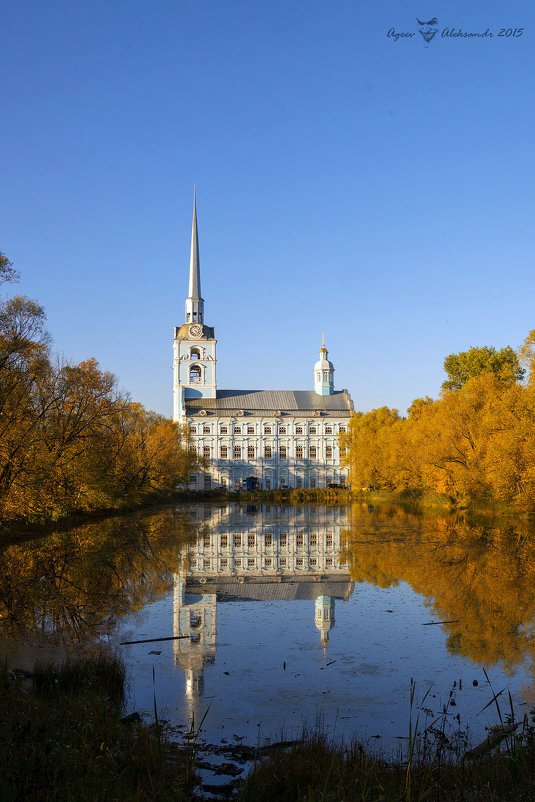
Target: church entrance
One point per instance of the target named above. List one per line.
(252, 483)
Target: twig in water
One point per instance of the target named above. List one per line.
(153, 640)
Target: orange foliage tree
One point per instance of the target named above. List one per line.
(68, 439)
(474, 443)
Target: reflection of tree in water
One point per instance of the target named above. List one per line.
(75, 584)
(479, 574)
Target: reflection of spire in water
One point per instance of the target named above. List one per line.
(324, 617)
(194, 615)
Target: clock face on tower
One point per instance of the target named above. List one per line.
(195, 330)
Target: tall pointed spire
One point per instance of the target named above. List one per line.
(194, 301)
(194, 262)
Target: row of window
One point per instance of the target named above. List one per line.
(271, 513)
(269, 562)
(238, 540)
(237, 451)
(251, 429)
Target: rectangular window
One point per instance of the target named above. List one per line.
(312, 481)
(224, 430)
(206, 452)
(313, 452)
(193, 563)
(192, 429)
(250, 452)
(237, 430)
(283, 539)
(237, 541)
(282, 452)
(283, 562)
(268, 562)
(267, 429)
(206, 563)
(298, 481)
(224, 541)
(299, 562)
(250, 429)
(328, 540)
(224, 562)
(251, 562)
(237, 563)
(206, 541)
(313, 540)
(268, 484)
(237, 452)
(268, 540)
(312, 430)
(207, 481)
(313, 562)
(328, 430)
(282, 429)
(224, 452)
(329, 562)
(267, 452)
(299, 452)
(206, 428)
(342, 429)
(299, 430)
(299, 539)
(251, 540)
(328, 452)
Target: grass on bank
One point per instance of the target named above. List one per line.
(411, 500)
(317, 770)
(61, 738)
(434, 764)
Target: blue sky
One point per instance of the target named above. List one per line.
(381, 191)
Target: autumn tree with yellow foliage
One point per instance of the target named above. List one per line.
(476, 443)
(68, 439)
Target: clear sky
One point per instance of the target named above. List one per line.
(380, 190)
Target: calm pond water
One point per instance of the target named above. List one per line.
(291, 615)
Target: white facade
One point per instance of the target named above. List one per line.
(262, 439)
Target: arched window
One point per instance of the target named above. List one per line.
(195, 374)
(194, 353)
(318, 374)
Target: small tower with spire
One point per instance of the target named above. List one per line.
(324, 373)
(194, 346)
(324, 616)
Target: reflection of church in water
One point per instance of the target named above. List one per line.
(255, 553)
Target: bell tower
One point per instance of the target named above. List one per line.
(194, 346)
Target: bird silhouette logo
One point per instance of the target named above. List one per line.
(427, 30)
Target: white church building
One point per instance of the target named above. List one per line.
(250, 439)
